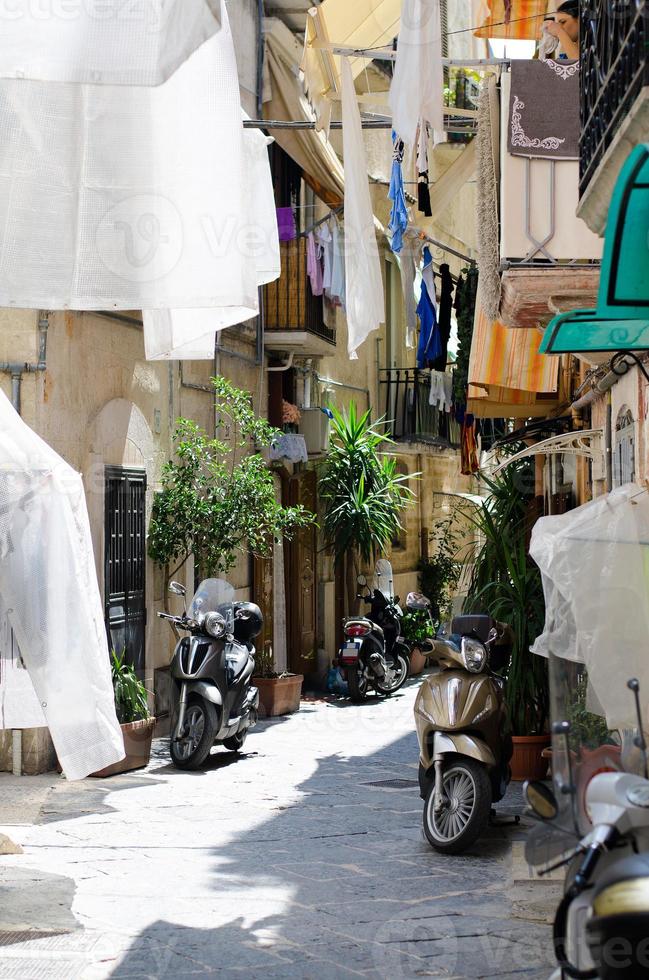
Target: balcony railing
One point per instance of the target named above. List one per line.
(614, 69)
(289, 304)
(407, 409)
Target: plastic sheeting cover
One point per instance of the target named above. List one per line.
(594, 563)
(109, 42)
(364, 299)
(126, 198)
(49, 589)
(189, 333)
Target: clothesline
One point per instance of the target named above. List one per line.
(320, 221)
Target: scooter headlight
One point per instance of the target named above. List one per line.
(474, 655)
(214, 624)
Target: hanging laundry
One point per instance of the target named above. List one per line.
(314, 264)
(423, 192)
(417, 90)
(465, 303)
(286, 225)
(440, 390)
(337, 289)
(364, 301)
(326, 242)
(444, 314)
(430, 346)
(469, 447)
(396, 194)
(407, 269)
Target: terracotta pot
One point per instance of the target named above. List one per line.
(417, 661)
(527, 760)
(138, 736)
(278, 695)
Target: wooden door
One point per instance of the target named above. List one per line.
(301, 583)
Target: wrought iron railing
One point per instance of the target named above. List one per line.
(614, 69)
(289, 303)
(410, 416)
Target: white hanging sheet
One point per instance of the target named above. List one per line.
(49, 591)
(107, 42)
(417, 90)
(364, 298)
(595, 567)
(126, 198)
(190, 333)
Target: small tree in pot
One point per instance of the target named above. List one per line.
(132, 709)
(362, 493)
(218, 498)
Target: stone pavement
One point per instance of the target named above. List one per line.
(304, 857)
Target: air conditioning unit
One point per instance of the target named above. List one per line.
(314, 426)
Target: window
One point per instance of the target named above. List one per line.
(624, 448)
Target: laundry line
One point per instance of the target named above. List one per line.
(311, 124)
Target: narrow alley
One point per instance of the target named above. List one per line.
(302, 857)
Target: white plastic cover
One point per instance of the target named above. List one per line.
(49, 590)
(126, 197)
(364, 298)
(595, 567)
(417, 90)
(190, 334)
(110, 42)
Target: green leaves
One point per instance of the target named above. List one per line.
(507, 584)
(218, 498)
(361, 491)
(130, 693)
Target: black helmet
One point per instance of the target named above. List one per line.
(248, 621)
(620, 920)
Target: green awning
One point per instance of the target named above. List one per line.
(621, 320)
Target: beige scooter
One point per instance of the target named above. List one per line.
(464, 740)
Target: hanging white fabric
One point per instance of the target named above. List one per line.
(417, 90)
(49, 590)
(190, 333)
(108, 42)
(364, 299)
(126, 197)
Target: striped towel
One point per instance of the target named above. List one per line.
(524, 23)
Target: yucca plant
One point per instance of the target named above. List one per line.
(362, 493)
(507, 584)
(130, 693)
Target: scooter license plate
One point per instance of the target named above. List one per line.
(349, 652)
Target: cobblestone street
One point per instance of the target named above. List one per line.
(304, 857)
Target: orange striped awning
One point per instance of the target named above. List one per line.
(508, 378)
(524, 22)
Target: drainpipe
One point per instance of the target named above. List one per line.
(283, 367)
(608, 442)
(16, 369)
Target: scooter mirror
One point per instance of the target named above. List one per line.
(541, 800)
(361, 580)
(177, 589)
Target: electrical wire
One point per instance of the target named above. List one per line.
(467, 30)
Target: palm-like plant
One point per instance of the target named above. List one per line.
(507, 584)
(362, 493)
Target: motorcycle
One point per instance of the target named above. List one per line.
(464, 740)
(594, 820)
(213, 699)
(373, 654)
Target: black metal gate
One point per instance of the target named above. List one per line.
(125, 557)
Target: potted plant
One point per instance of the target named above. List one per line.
(279, 693)
(133, 714)
(416, 629)
(362, 494)
(507, 585)
(439, 575)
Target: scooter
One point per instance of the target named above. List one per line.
(373, 654)
(464, 740)
(214, 701)
(598, 826)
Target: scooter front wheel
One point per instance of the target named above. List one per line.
(464, 814)
(197, 738)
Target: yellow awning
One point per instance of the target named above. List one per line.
(361, 24)
(525, 20)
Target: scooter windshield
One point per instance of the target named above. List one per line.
(595, 567)
(383, 579)
(214, 595)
